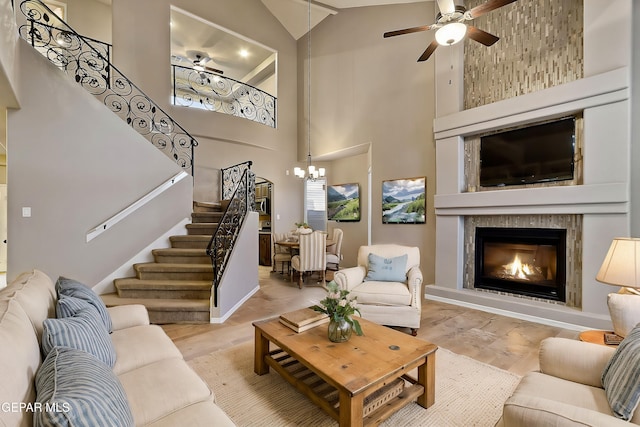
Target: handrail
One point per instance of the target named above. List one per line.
(105, 225)
(223, 240)
(203, 89)
(77, 56)
(231, 177)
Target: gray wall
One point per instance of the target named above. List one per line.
(141, 40)
(367, 89)
(75, 164)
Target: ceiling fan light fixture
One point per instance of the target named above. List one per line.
(450, 34)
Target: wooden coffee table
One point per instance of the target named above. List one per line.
(342, 377)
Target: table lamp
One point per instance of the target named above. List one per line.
(621, 267)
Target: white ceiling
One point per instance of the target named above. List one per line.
(294, 14)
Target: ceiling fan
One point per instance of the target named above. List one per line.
(199, 61)
(451, 26)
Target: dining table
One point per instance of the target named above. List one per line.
(295, 244)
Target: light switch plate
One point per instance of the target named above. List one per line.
(26, 212)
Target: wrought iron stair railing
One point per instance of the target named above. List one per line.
(239, 187)
(211, 91)
(87, 62)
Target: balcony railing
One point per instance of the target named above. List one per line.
(87, 61)
(213, 92)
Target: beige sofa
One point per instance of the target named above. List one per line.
(567, 391)
(386, 302)
(161, 389)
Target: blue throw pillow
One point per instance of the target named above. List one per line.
(73, 288)
(83, 331)
(621, 376)
(387, 269)
(76, 389)
(68, 306)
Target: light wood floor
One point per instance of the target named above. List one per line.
(504, 342)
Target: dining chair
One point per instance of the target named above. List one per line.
(280, 254)
(334, 252)
(312, 255)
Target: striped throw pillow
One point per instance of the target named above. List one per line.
(76, 289)
(83, 331)
(621, 376)
(76, 389)
(68, 306)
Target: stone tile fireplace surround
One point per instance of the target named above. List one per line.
(601, 201)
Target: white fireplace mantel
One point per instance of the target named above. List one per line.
(589, 92)
(602, 199)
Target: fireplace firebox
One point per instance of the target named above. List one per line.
(524, 261)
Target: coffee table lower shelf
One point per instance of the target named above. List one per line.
(378, 406)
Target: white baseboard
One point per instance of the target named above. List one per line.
(234, 308)
(105, 286)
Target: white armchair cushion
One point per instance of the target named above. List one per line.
(382, 293)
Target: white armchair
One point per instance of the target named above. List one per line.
(392, 303)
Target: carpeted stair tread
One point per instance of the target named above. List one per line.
(211, 217)
(111, 300)
(205, 228)
(190, 241)
(181, 255)
(169, 271)
(163, 311)
(135, 283)
(170, 267)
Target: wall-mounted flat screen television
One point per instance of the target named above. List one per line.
(539, 153)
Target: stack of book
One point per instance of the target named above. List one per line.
(303, 319)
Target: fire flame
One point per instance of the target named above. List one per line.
(518, 269)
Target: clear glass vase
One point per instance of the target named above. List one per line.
(339, 330)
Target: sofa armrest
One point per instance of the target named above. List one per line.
(574, 360)
(349, 278)
(527, 410)
(127, 316)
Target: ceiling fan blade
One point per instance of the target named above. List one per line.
(407, 31)
(481, 36)
(214, 70)
(429, 51)
(488, 6)
(446, 6)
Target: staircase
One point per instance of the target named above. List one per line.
(176, 287)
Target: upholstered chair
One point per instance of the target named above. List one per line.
(334, 252)
(280, 254)
(312, 256)
(387, 283)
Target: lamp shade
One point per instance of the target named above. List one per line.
(451, 33)
(621, 266)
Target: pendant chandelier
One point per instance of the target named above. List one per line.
(311, 172)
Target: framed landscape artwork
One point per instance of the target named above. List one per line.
(403, 201)
(343, 202)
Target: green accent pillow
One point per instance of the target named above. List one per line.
(387, 269)
(76, 389)
(621, 376)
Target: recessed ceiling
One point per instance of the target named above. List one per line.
(191, 36)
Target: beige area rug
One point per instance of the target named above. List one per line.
(468, 393)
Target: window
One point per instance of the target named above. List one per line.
(315, 204)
